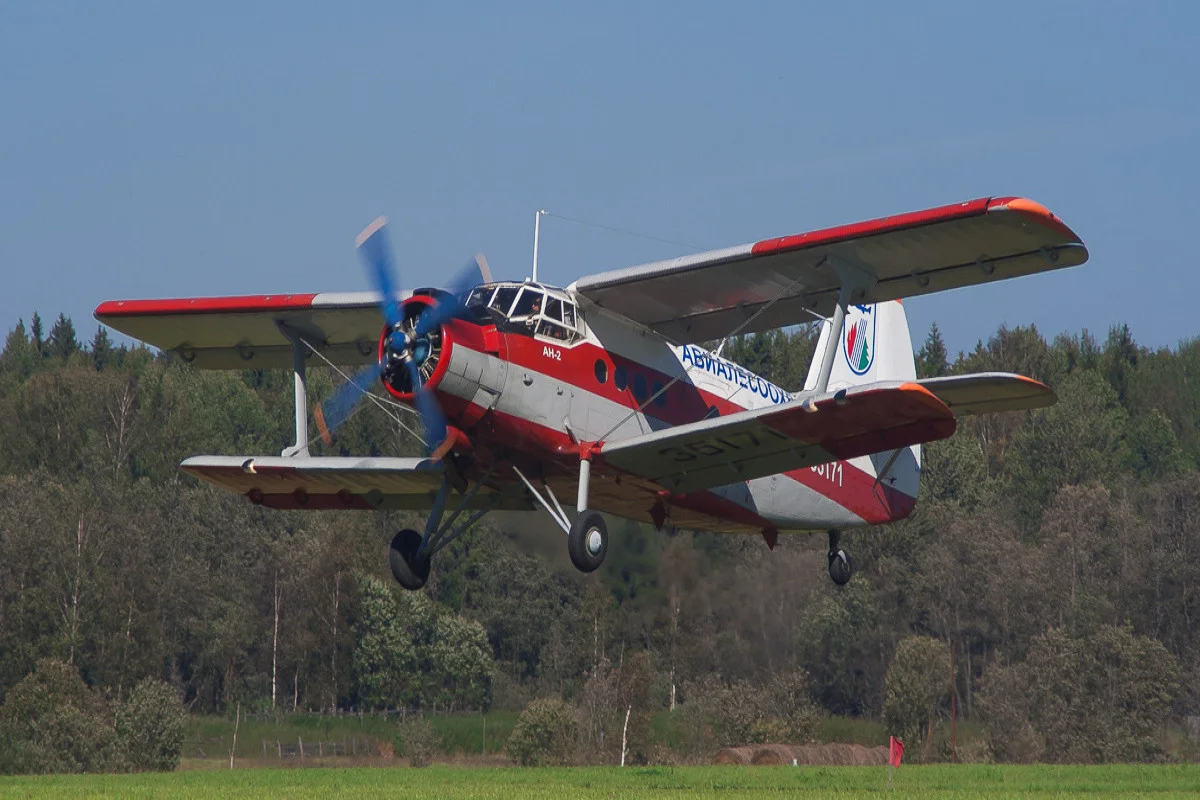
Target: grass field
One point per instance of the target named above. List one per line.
(604, 782)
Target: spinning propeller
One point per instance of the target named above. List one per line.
(407, 343)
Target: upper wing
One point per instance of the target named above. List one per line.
(986, 392)
(708, 295)
(335, 483)
(853, 422)
(244, 333)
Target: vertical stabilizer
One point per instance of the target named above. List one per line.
(875, 346)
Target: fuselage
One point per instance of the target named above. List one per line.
(536, 386)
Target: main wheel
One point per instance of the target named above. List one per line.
(588, 541)
(841, 567)
(410, 570)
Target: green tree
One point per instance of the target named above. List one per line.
(53, 722)
(544, 734)
(37, 336)
(101, 349)
(151, 725)
(63, 341)
(1079, 439)
(918, 681)
(1097, 699)
(462, 659)
(932, 358)
(17, 360)
(387, 666)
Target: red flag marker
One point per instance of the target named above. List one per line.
(895, 751)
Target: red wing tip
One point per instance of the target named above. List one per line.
(1032, 208)
(1033, 382)
(370, 230)
(202, 305)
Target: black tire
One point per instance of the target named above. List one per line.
(409, 571)
(841, 567)
(585, 548)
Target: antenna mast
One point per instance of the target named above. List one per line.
(537, 224)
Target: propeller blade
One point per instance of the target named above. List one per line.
(449, 308)
(340, 405)
(376, 253)
(431, 413)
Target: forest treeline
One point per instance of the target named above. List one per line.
(1053, 559)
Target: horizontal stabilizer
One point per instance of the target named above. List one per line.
(989, 392)
(852, 422)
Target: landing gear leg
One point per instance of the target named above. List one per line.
(840, 565)
(412, 552)
(587, 536)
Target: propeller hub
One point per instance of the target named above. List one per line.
(405, 351)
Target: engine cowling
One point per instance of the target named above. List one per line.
(431, 352)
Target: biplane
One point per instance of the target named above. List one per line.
(606, 391)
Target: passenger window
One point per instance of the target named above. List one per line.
(639, 387)
(621, 379)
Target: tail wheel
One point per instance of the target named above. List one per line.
(587, 541)
(410, 570)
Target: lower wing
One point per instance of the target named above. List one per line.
(851, 422)
(337, 483)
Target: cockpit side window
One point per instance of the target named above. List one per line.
(503, 299)
(554, 308)
(553, 330)
(479, 296)
(529, 304)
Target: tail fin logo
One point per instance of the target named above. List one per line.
(859, 340)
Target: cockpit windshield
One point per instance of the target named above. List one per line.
(540, 310)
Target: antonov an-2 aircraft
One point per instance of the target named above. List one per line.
(604, 391)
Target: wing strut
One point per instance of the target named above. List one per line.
(856, 281)
(300, 352)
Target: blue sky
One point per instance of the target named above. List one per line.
(157, 149)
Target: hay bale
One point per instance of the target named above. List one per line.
(816, 755)
(771, 755)
(733, 755)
